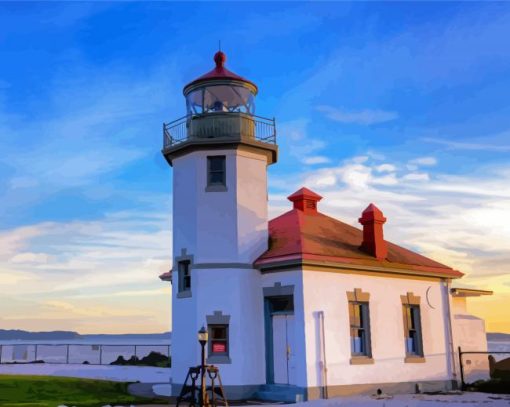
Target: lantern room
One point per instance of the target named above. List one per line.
(220, 110)
(220, 90)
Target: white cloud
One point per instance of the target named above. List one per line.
(416, 176)
(30, 258)
(364, 117)
(467, 145)
(385, 168)
(428, 161)
(316, 159)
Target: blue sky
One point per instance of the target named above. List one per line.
(400, 104)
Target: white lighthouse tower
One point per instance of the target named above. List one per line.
(219, 153)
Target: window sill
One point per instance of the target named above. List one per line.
(216, 188)
(219, 359)
(184, 294)
(361, 360)
(414, 359)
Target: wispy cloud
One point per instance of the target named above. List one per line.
(62, 265)
(465, 145)
(316, 159)
(363, 117)
(426, 161)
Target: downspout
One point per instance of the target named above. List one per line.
(324, 363)
(446, 285)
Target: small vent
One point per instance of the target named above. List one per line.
(311, 204)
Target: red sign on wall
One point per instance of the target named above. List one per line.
(219, 347)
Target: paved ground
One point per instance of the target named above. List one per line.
(416, 400)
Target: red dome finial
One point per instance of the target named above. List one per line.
(220, 59)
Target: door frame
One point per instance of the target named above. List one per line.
(269, 311)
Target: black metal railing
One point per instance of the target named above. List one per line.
(261, 128)
(77, 353)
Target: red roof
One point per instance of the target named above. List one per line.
(219, 73)
(299, 235)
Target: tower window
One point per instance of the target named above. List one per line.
(216, 171)
(184, 276)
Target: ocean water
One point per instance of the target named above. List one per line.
(499, 346)
(93, 350)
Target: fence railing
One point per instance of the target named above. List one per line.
(461, 361)
(223, 124)
(72, 353)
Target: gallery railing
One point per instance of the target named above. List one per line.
(87, 354)
(219, 125)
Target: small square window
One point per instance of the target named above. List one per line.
(216, 171)
(218, 340)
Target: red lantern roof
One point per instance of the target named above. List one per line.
(219, 73)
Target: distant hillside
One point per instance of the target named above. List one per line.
(164, 335)
(495, 336)
(16, 334)
(13, 334)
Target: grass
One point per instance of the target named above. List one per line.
(49, 391)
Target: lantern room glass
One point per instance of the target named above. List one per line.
(220, 98)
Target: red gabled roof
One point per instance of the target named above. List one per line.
(219, 73)
(298, 236)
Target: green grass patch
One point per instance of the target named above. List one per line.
(50, 391)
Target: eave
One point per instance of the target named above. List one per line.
(302, 260)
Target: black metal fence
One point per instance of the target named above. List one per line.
(462, 362)
(90, 354)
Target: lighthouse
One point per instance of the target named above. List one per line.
(301, 306)
(219, 153)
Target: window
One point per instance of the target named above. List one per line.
(218, 340)
(412, 330)
(218, 346)
(216, 171)
(360, 328)
(184, 276)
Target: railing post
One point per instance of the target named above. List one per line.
(135, 351)
(462, 384)
(100, 354)
(67, 355)
(35, 358)
(1, 350)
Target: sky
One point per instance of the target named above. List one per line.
(401, 104)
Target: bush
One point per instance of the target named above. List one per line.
(155, 359)
(497, 386)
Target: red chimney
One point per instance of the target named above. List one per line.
(305, 200)
(372, 220)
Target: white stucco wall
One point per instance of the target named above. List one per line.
(221, 229)
(469, 333)
(228, 226)
(326, 291)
